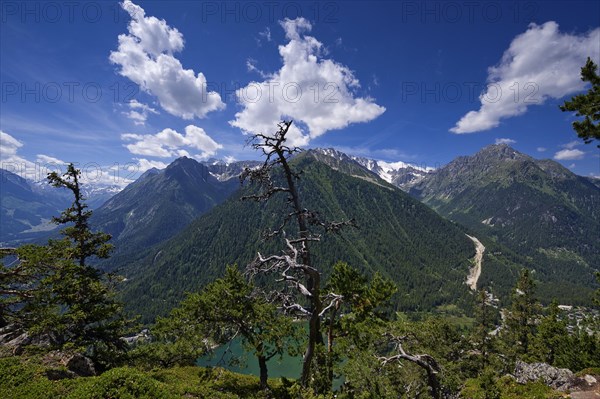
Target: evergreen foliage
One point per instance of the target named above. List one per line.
(486, 319)
(520, 320)
(231, 307)
(54, 295)
(550, 343)
(587, 105)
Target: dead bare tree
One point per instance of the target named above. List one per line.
(425, 361)
(294, 265)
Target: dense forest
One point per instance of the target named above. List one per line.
(395, 243)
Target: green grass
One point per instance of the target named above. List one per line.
(455, 316)
(591, 371)
(25, 379)
(508, 388)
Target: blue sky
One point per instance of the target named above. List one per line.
(119, 87)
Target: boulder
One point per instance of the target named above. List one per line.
(59, 374)
(555, 378)
(70, 364)
(590, 379)
(81, 365)
(14, 339)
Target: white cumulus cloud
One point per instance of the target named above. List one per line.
(145, 56)
(540, 63)
(569, 154)
(46, 159)
(9, 157)
(169, 143)
(505, 141)
(138, 112)
(145, 164)
(91, 173)
(316, 92)
(8, 145)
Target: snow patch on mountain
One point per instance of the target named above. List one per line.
(224, 170)
(401, 174)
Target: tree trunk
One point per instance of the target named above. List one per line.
(330, 338)
(264, 372)
(434, 384)
(314, 330)
(313, 280)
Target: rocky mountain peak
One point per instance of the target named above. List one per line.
(149, 173)
(500, 152)
(185, 167)
(182, 162)
(400, 174)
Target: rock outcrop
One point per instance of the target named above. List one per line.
(15, 339)
(559, 379)
(63, 365)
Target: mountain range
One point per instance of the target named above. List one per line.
(430, 270)
(398, 236)
(537, 208)
(400, 174)
(27, 206)
(26, 209)
(162, 202)
(176, 229)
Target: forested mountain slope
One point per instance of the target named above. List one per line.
(157, 206)
(427, 256)
(538, 208)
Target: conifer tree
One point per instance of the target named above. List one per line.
(587, 105)
(520, 316)
(302, 295)
(363, 304)
(485, 323)
(551, 341)
(53, 293)
(231, 307)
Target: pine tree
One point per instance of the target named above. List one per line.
(587, 105)
(551, 341)
(485, 317)
(302, 295)
(86, 244)
(364, 305)
(520, 317)
(55, 295)
(231, 307)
